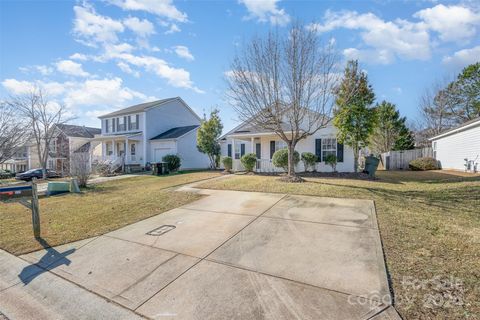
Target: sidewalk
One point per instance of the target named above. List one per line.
(30, 292)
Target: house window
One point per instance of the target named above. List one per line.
(237, 150)
(51, 164)
(132, 149)
(133, 122)
(110, 125)
(53, 146)
(280, 144)
(329, 146)
(121, 124)
(108, 147)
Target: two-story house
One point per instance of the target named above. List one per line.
(19, 161)
(67, 139)
(146, 132)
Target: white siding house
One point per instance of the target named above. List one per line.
(144, 133)
(245, 139)
(452, 147)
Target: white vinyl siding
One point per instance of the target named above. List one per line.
(452, 150)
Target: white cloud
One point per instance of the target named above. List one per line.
(127, 69)
(385, 39)
(176, 77)
(184, 53)
(79, 56)
(463, 57)
(142, 28)
(109, 92)
(162, 8)
(93, 28)
(17, 87)
(266, 11)
(173, 29)
(71, 68)
(453, 23)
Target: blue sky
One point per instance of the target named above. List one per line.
(98, 56)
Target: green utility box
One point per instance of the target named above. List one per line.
(159, 168)
(54, 188)
(371, 165)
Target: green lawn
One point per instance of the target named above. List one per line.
(99, 209)
(430, 227)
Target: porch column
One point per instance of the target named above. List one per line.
(114, 149)
(233, 148)
(126, 151)
(252, 145)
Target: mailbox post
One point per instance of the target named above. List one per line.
(22, 195)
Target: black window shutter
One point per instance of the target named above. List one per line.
(258, 150)
(230, 150)
(339, 152)
(106, 125)
(129, 122)
(318, 149)
(272, 148)
(125, 123)
(113, 125)
(242, 150)
(118, 124)
(137, 121)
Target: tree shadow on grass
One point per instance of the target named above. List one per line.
(50, 260)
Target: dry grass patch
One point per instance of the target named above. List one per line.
(99, 209)
(430, 228)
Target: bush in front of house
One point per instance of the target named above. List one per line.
(280, 158)
(249, 161)
(227, 163)
(173, 162)
(422, 164)
(331, 160)
(309, 160)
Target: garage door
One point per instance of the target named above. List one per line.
(159, 153)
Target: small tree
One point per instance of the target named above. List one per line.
(249, 161)
(80, 166)
(173, 162)
(227, 163)
(280, 159)
(309, 160)
(207, 137)
(331, 160)
(354, 119)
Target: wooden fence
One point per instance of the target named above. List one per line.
(398, 160)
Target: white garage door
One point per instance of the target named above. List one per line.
(159, 153)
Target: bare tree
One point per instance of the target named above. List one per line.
(80, 164)
(285, 84)
(13, 132)
(42, 116)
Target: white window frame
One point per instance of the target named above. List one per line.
(237, 151)
(133, 122)
(329, 146)
(120, 123)
(110, 125)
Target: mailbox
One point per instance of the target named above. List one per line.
(13, 193)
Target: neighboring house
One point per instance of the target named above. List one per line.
(67, 140)
(453, 146)
(18, 162)
(247, 139)
(146, 132)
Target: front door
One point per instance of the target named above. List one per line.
(258, 150)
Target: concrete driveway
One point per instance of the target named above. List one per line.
(229, 255)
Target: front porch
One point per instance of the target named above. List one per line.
(262, 145)
(126, 151)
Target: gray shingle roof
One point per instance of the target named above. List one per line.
(71, 130)
(174, 132)
(137, 108)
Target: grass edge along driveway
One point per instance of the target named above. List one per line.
(99, 209)
(430, 228)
